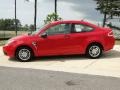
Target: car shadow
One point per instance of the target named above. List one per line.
(61, 58)
(107, 55)
(111, 54)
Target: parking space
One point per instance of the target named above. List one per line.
(107, 65)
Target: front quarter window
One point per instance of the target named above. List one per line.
(38, 29)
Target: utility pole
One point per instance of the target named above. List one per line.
(55, 10)
(35, 15)
(15, 20)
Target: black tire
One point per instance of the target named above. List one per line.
(24, 54)
(94, 51)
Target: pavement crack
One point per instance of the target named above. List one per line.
(87, 66)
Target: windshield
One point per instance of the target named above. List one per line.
(38, 30)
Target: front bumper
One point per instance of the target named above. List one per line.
(8, 50)
(4, 53)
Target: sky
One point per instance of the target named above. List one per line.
(67, 9)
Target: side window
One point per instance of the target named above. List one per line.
(78, 28)
(82, 28)
(59, 29)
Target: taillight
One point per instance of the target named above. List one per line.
(110, 34)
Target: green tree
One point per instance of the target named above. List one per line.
(26, 27)
(52, 17)
(109, 8)
(2, 24)
(32, 28)
(9, 24)
(112, 26)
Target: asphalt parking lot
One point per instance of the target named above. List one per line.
(107, 65)
(32, 79)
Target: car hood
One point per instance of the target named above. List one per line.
(25, 36)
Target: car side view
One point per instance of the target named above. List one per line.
(61, 38)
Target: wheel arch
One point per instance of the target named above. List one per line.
(26, 47)
(94, 43)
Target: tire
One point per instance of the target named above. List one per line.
(94, 51)
(24, 54)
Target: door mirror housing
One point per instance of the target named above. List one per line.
(44, 35)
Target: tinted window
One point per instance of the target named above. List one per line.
(82, 28)
(59, 29)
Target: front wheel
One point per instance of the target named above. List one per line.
(94, 51)
(24, 54)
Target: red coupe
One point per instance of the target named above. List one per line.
(61, 38)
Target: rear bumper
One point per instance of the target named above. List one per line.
(109, 43)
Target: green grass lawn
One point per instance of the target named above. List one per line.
(8, 34)
(117, 42)
(2, 42)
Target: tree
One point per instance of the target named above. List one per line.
(112, 26)
(9, 24)
(109, 8)
(32, 28)
(26, 27)
(52, 17)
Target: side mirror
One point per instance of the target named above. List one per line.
(44, 35)
(29, 33)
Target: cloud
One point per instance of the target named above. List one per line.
(79, 9)
(67, 9)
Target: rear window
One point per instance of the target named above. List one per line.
(82, 28)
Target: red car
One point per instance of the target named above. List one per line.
(62, 38)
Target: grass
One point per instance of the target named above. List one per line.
(8, 34)
(2, 42)
(117, 42)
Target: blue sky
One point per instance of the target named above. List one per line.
(67, 9)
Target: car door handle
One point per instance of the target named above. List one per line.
(67, 36)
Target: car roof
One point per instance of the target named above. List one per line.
(74, 21)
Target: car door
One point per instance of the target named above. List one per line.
(55, 43)
(78, 36)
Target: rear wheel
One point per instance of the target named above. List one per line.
(94, 51)
(24, 54)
